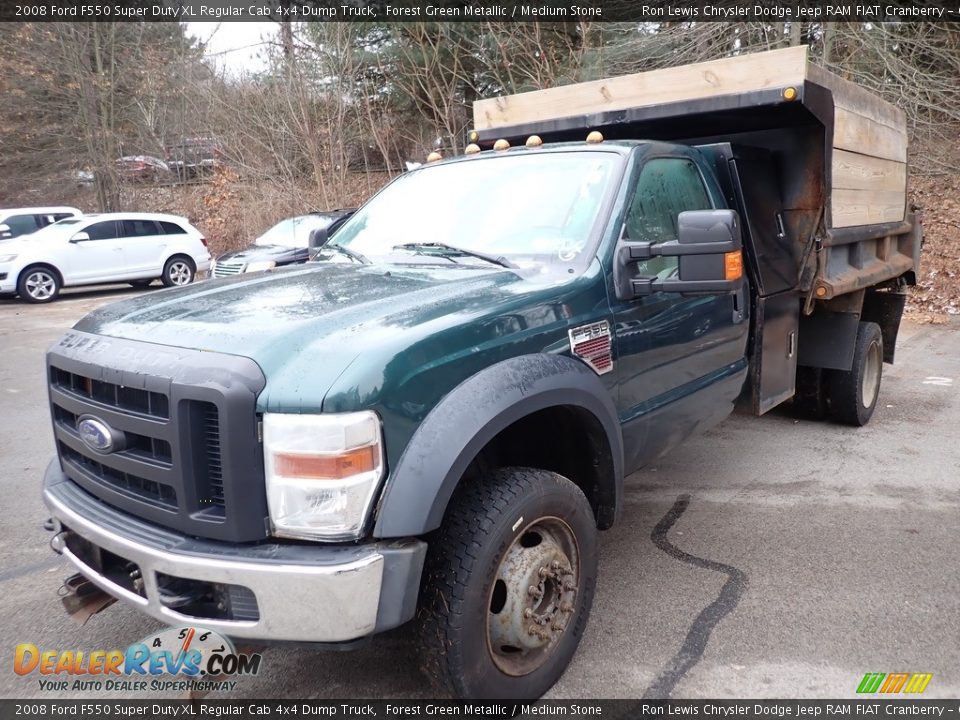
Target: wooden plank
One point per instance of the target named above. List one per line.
(743, 73)
(859, 100)
(852, 171)
(865, 207)
(859, 134)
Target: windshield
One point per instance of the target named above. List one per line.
(293, 232)
(532, 210)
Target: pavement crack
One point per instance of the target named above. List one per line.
(698, 635)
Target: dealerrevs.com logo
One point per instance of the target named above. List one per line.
(176, 659)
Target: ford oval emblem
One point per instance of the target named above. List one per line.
(96, 434)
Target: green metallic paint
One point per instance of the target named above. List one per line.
(338, 337)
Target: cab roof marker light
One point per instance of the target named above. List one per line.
(501, 144)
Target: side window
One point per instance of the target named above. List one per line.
(140, 228)
(20, 225)
(666, 187)
(57, 217)
(102, 230)
(171, 228)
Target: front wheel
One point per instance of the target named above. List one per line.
(177, 271)
(39, 284)
(508, 585)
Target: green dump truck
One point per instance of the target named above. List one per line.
(432, 421)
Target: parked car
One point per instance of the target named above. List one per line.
(142, 168)
(23, 221)
(95, 249)
(286, 243)
(193, 157)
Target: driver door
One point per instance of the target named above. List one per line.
(670, 348)
(101, 258)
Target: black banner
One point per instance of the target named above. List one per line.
(484, 10)
(866, 707)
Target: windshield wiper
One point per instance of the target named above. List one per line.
(344, 250)
(496, 260)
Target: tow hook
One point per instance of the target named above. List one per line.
(82, 599)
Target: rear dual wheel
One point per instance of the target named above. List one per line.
(508, 585)
(854, 394)
(849, 397)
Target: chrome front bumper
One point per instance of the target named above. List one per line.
(327, 594)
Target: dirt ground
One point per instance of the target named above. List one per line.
(937, 295)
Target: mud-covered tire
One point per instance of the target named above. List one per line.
(854, 394)
(810, 398)
(485, 540)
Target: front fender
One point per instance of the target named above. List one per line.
(470, 416)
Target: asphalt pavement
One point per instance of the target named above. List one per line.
(768, 558)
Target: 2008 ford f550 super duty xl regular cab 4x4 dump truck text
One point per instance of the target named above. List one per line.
(433, 420)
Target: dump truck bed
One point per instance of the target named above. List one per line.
(840, 151)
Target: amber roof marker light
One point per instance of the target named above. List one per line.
(789, 94)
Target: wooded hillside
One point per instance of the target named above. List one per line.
(342, 106)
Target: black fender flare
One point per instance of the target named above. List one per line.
(419, 488)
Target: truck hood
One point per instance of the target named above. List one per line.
(262, 252)
(306, 322)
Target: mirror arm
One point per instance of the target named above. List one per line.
(650, 285)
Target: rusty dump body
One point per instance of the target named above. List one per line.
(820, 162)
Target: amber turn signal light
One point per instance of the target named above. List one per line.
(733, 265)
(326, 467)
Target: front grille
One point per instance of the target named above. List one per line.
(156, 493)
(112, 395)
(225, 269)
(214, 467)
(183, 423)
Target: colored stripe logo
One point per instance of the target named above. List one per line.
(894, 683)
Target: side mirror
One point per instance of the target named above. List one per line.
(318, 238)
(80, 237)
(709, 249)
(5, 231)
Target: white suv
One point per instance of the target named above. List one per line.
(15, 222)
(95, 249)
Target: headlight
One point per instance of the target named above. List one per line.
(260, 265)
(322, 473)
(7, 258)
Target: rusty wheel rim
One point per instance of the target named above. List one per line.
(533, 597)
